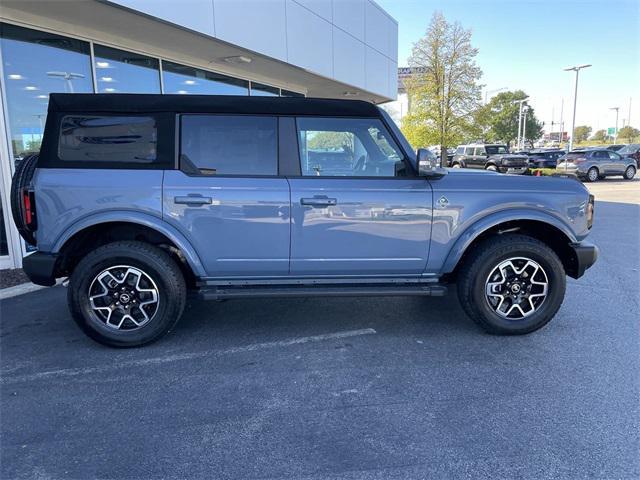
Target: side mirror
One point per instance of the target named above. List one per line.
(428, 164)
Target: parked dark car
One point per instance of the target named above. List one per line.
(494, 157)
(633, 151)
(544, 158)
(596, 164)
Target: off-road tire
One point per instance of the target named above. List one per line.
(156, 263)
(21, 179)
(479, 263)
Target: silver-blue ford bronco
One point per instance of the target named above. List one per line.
(140, 199)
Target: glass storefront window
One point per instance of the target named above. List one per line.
(289, 93)
(181, 79)
(36, 64)
(260, 90)
(118, 71)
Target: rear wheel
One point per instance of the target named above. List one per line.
(593, 174)
(491, 168)
(630, 172)
(127, 294)
(511, 284)
(456, 165)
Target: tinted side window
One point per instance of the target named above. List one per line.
(108, 139)
(600, 155)
(229, 145)
(480, 151)
(460, 151)
(614, 156)
(347, 147)
(468, 150)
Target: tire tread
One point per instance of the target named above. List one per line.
(473, 263)
(137, 250)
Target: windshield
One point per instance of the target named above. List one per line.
(629, 149)
(496, 149)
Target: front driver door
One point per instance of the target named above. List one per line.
(357, 208)
(618, 164)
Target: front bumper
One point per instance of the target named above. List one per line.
(585, 255)
(513, 170)
(40, 268)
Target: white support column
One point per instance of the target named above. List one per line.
(14, 242)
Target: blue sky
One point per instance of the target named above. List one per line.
(526, 44)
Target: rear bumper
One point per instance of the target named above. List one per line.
(586, 255)
(40, 268)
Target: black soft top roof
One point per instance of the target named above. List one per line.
(148, 103)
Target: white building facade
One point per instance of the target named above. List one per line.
(316, 48)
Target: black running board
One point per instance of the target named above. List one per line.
(219, 293)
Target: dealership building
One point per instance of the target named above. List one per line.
(315, 48)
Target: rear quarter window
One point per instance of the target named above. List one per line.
(113, 139)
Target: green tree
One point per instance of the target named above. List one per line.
(330, 140)
(599, 136)
(628, 133)
(444, 91)
(581, 133)
(499, 119)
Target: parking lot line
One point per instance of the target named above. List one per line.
(72, 372)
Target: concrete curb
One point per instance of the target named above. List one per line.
(22, 289)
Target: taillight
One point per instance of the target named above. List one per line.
(29, 209)
(577, 161)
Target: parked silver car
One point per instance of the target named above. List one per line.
(594, 164)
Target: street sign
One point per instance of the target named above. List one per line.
(611, 131)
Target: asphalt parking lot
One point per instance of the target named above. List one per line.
(375, 388)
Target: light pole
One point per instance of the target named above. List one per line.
(67, 77)
(524, 127)
(521, 102)
(576, 69)
(487, 92)
(615, 138)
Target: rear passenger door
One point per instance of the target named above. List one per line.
(603, 162)
(357, 208)
(479, 157)
(227, 198)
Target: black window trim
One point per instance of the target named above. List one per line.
(165, 149)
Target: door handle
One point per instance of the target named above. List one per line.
(319, 201)
(193, 200)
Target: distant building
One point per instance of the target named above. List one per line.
(398, 108)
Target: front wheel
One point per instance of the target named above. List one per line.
(630, 172)
(491, 168)
(511, 284)
(126, 294)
